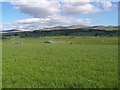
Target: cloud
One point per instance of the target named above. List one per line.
(62, 20)
(36, 23)
(80, 9)
(51, 12)
(45, 8)
(36, 8)
(85, 7)
(106, 5)
(0, 27)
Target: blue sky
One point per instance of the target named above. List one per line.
(9, 14)
(15, 14)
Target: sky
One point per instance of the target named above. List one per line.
(32, 15)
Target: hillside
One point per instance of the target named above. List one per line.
(82, 27)
(75, 30)
(105, 27)
(67, 27)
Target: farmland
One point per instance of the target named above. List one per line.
(69, 62)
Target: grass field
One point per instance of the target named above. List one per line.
(84, 62)
(0, 64)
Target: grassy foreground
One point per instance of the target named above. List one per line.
(0, 64)
(84, 62)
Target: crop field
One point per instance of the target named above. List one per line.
(60, 62)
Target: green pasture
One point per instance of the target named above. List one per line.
(69, 62)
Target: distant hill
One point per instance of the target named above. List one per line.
(82, 27)
(105, 27)
(74, 30)
(66, 27)
(10, 31)
(14, 30)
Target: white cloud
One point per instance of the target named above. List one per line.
(62, 20)
(28, 21)
(50, 12)
(106, 5)
(0, 27)
(36, 23)
(85, 7)
(44, 8)
(81, 9)
(36, 8)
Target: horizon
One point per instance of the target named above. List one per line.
(24, 15)
(2, 31)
